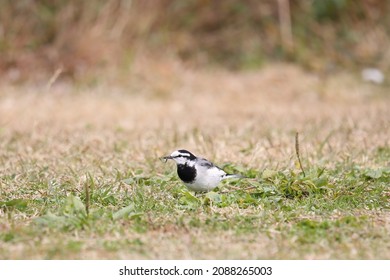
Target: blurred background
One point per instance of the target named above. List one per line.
(77, 40)
(93, 92)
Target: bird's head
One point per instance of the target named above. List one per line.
(180, 157)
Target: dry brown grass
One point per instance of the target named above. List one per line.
(249, 118)
(262, 108)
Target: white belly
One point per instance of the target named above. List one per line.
(207, 180)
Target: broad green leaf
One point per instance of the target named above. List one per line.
(124, 212)
(128, 181)
(267, 173)
(74, 205)
(18, 203)
(374, 173)
(50, 219)
(320, 182)
(213, 196)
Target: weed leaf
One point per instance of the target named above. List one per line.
(214, 197)
(18, 203)
(124, 212)
(267, 173)
(74, 205)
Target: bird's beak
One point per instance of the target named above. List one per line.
(165, 159)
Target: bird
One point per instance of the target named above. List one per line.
(198, 174)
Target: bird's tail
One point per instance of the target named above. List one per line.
(230, 176)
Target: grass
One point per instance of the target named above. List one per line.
(80, 176)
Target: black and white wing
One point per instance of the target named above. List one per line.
(205, 163)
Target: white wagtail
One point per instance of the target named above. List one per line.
(198, 174)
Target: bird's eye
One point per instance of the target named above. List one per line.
(182, 156)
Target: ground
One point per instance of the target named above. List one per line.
(80, 175)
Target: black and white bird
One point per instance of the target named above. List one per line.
(198, 174)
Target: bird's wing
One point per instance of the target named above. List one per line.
(205, 162)
(208, 164)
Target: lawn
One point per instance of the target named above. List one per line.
(80, 175)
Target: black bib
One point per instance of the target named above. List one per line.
(186, 173)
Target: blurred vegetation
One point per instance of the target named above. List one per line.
(77, 36)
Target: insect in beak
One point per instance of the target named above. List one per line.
(165, 159)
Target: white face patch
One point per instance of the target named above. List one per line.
(181, 158)
(177, 153)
